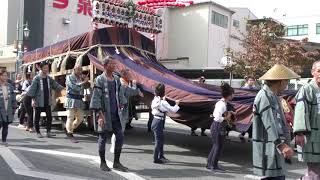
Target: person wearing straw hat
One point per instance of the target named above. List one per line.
(271, 134)
(306, 125)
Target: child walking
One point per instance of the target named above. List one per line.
(159, 108)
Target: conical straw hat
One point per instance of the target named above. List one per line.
(279, 72)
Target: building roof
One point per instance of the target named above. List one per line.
(255, 21)
(212, 3)
(243, 8)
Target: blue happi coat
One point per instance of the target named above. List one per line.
(36, 89)
(7, 115)
(100, 99)
(74, 92)
(269, 129)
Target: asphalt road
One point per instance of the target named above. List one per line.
(28, 157)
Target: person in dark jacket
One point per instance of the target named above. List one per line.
(40, 91)
(7, 105)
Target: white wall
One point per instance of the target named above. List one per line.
(15, 14)
(187, 37)
(3, 22)
(162, 39)
(55, 30)
(8, 58)
(9, 13)
(310, 20)
(237, 34)
(219, 39)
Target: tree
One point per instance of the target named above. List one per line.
(264, 47)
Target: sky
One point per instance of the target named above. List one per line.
(276, 8)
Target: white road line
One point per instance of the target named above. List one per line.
(12, 160)
(95, 159)
(18, 167)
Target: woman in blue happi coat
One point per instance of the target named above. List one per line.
(7, 105)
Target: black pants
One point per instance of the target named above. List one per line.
(217, 143)
(38, 111)
(4, 126)
(195, 128)
(22, 114)
(150, 121)
(29, 110)
(117, 130)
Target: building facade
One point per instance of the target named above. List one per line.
(302, 27)
(8, 59)
(239, 27)
(196, 38)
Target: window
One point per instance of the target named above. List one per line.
(236, 23)
(219, 19)
(318, 28)
(1, 52)
(297, 30)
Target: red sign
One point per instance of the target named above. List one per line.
(84, 6)
(60, 4)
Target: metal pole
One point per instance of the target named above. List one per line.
(230, 78)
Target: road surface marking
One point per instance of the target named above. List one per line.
(95, 159)
(18, 167)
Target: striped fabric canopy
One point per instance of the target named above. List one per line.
(135, 52)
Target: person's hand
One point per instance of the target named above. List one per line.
(33, 103)
(141, 94)
(101, 120)
(233, 113)
(86, 79)
(286, 151)
(177, 102)
(228, 116)
(300, 139)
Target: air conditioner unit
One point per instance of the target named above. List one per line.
(66, 21)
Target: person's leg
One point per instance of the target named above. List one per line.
(102, 151)
(219, 139)
(78, 118)
(113, 142)
(218, 150)
(118, 132)
(150, 121)
(161, 141)
(22, 115)
(214, 134)
(49, 120)
(70, 119)
(203, 132)
(37, 120)
(250, 132)
(5, 127)
(156, 126)
(29, 111)
(193, 133)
